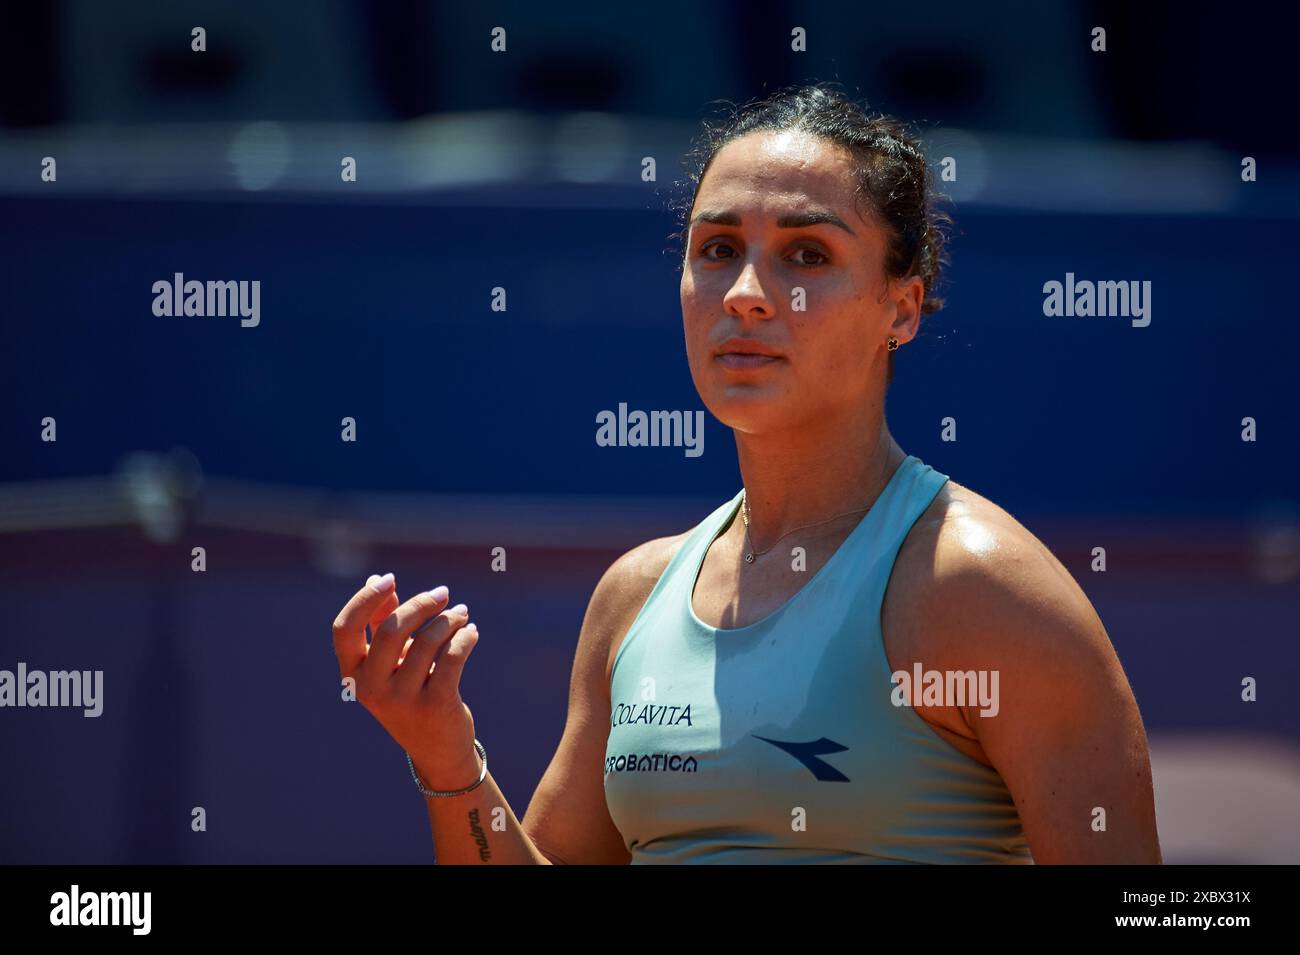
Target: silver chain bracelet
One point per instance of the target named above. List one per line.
(419, 783)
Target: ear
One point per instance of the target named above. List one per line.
(907, 296)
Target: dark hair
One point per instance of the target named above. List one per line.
(892, 173)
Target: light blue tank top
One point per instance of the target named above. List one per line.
(778, 742)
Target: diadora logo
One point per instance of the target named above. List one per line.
(807, 754)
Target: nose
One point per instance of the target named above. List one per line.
(747, 298)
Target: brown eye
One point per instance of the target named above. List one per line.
(716, 245)
(823, 258)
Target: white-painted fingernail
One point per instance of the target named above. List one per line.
(459, 608)
(439, 593)
(383, 584)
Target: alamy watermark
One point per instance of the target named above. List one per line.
(1131, 299)
(924, 687)
(82, 688)
(640, 429)
(75, 907)
(179, 297)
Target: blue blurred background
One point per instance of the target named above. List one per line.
(522, 170)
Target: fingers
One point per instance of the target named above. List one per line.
(444, 683)
(427, 642)
(381, 612)
(367, 604)
(390, 637)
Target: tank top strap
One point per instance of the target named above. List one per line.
(688, 555)
(870, 556)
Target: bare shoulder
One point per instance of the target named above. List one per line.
(623, 589)
(963, 533)
(977, 591)
(972, 586)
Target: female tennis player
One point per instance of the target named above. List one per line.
(853, 660)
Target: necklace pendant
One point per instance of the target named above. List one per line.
(749, 558)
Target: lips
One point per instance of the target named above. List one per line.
(740, 361)
(747, 347)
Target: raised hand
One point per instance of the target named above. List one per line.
(408, 676)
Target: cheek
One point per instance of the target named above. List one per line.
(695, 318)
(834, 344)
(690, 283)
(687, 296)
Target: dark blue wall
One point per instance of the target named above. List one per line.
(382, 313)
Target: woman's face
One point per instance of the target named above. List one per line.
(774, 214)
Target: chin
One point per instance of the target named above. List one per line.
(750, 408)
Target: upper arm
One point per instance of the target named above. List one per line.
(1067, 736)
(567, 818)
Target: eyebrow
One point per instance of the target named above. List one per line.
(796, 220)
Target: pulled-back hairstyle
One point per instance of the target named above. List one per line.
(891, 173)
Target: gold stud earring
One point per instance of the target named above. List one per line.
(892, 344)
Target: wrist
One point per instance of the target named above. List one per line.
(449, 775)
